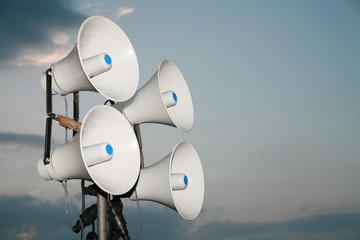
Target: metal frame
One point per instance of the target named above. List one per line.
(50, 114)
(102, 203)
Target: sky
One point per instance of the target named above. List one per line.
(276, 92)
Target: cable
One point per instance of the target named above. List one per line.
(117, 221)
(140, 218)
(68, 197)
(87, 217)
(110, 101)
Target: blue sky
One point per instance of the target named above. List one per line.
(276, 93)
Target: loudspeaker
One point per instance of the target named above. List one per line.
(164, 99)
(176, 181)
(103, 60)
(105, 151)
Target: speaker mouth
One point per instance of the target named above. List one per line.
(170, 79)
(99, 35)
(189, 200)
(176, 181)
(107, 126)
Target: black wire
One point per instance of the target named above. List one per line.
(110, 101)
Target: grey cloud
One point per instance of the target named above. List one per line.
(24, 213)
(27, 24)
(157, 222)
(327, 226)
(18, 157)
(26, 139)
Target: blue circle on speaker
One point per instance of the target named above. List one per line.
(174, 96)
(186, 180)
(107, 59)
(109, 149)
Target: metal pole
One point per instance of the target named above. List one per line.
(102, 218)
(76, 106)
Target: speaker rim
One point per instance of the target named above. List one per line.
(94, 85)
(177, 121)
(135, 174)
(174, 194)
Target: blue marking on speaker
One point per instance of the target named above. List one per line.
(174, 96)
(109, 149)
(107, 59)
(186, 180)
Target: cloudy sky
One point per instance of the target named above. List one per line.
(276, 93)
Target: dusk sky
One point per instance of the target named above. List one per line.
(276, 93)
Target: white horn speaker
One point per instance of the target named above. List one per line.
(105, 151)
(176, 181)
(164, 99)
(103, 60)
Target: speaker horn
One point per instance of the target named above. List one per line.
(164, 99)
(176, 181)
(103, 60)
(105, 151)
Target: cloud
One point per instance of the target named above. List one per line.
(122, 11)
(158, 222)
(331, 226)
(27, 232)
(34, 57)
(26, 139)
(30, 26)
(18, 167)
(60, 38)
(88, 5)
(108, 9)
(25, 216)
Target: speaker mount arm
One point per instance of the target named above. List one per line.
(49, 92)
(50, 114)
(47, 140)
(76, 111)
(63, 121)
